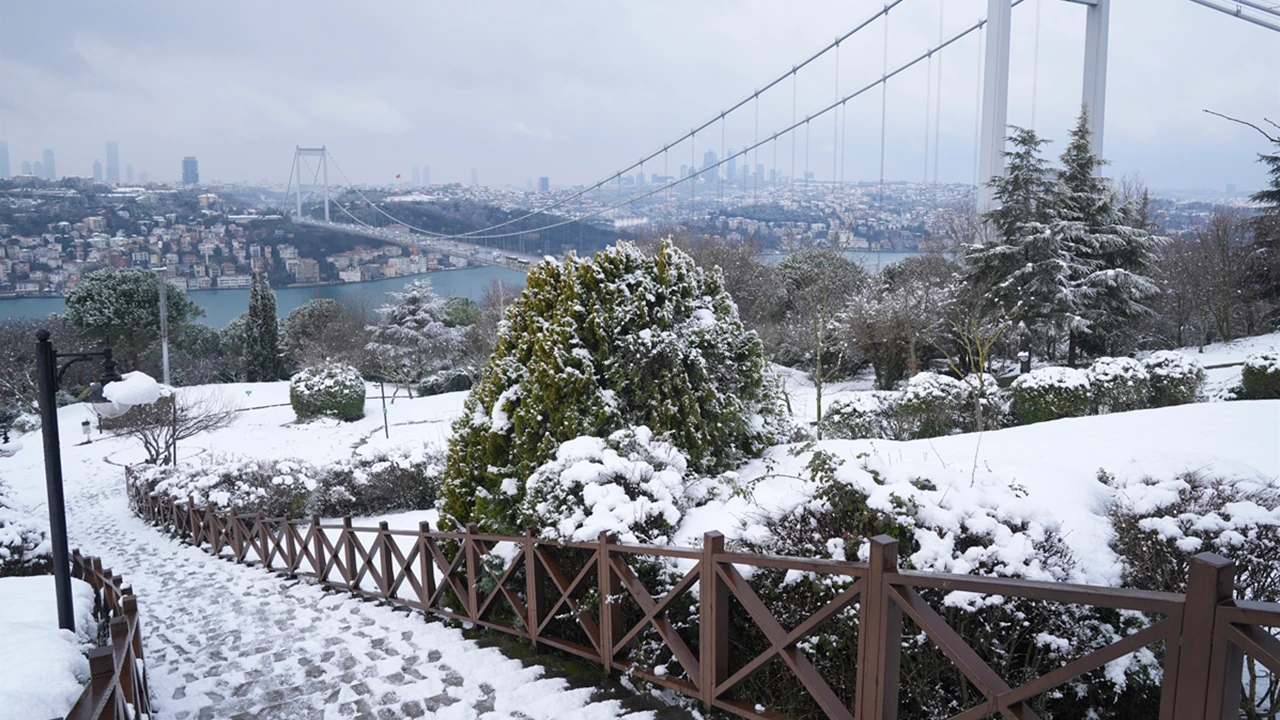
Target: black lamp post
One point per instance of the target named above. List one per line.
(50, 377)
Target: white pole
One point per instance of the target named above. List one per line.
(324, 164)
(297, 163)
(995, 99)
(1095, 70)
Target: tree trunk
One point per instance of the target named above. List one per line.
(1071, 349)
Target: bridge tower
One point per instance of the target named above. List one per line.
(299, 153)
(995, 89)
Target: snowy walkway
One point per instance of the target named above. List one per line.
(228, 641)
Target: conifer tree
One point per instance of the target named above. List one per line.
(261, 333)
(1265, 258)
(599, 345)
(414, 338)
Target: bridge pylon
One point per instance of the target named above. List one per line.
(299, 153)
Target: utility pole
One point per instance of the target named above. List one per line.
(164, 321)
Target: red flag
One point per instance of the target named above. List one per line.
(397, 176)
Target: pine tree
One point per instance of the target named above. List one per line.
(414, 338)
(594, 346)
(1265, 257)
(1025, 269)
(261, 333)
(123, 306)
(1111, 257)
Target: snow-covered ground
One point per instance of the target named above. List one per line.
(45, 668)
(232, 639)
(1222, 379)
(224, 640)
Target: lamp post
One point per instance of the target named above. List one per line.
(50, 377)
(162, 272)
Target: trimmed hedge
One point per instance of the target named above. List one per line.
(1261, 377)
(1118, 385)
(1050, 393)
(1174, 378)
(332, 389)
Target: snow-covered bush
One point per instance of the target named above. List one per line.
(955, 526)
(404, 478)
(331, 389)
(1158, 525)
(24, 546)
(1049, 393)
(1175, 379)
(861, 415)
(982, 390)
(274, 487)
(1118, 385)
(931, 405)
(1261, 377)
(624, 339)
(631, 485)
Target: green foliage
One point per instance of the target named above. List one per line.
(1261, 377)
(1174, 379)
(261, 334)
(593, 346)
(1118, 385)
(330, 389)
(931, 406)
(124, 307)
(24, 548)
(1049, 393)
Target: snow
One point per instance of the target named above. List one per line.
(47, 666)
(1222, 379)
(135, 388)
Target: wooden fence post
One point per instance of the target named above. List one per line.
(1210, 582)
(262, 543)
(348, 552)
(426, 565)
(317, 539)
(290, 546)
(190, 525)
(387, 568)
(610, 603)
(102, 670)
(879, 636)
(713, 620)
(120, 641)
(534, 577)
(473, 571)
(233, 522)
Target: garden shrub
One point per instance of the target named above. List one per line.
(446, 381)
(24, 545)
(1118, 385)
(983, 388)
(329, 389)
(860, 415)
(931, 405)
(1049, 393)
(1261, 377)
(1175, 379)
(401, 479)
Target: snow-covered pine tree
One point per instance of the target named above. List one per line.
(123, 306)
(1111, 257)
(599, 345)
(1024, 269)
(261, 334)
(1265, 257)
(413, 340)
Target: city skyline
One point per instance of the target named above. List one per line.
(503, 103)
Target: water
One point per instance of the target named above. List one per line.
(221, 306)
(870, 261)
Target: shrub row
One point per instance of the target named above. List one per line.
(24, 545)
(1261, 377)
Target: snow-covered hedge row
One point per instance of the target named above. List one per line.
(331, 389)
(632, 485)
(1174, 378)
(397, 480)
(24, 545)
(1050, 393)
(1118, 384)
(1261, 377)
(931, 405)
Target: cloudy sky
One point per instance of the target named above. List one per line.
(576, 89)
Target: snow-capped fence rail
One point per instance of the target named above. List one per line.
(117, 688)
(549, 593)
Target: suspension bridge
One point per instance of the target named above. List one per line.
(697, 186)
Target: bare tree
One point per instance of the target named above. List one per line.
(161, 425)
(976, 331)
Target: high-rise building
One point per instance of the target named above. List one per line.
(731, 167)
(26, 167)
(4, 159)
(190, 171)
(142, 178)
(417, 175)
(49, 172)
(97, 171)
(128, 174)
(113, 162)
(709, 166)
(684, 171)
(759, 172)
(640, 178)
(38, 169)
(544, 184)
(475, 177)
(426, 174)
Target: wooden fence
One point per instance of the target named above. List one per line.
(117, 688)
(526, 587)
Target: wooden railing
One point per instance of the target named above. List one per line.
(117, 688)
(531, 589)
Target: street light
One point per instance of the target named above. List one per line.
(50, 377)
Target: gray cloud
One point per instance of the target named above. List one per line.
(576, 89)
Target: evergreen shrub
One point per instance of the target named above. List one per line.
(1175, 379)
(1118, 385)
(861, 415)
(1049, 393)
(931, 405)
(329, 389)
(1261, 377)
(24, 546)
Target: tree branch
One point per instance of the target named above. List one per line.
(1264, 133)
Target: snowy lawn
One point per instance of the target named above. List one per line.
(45, 668)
